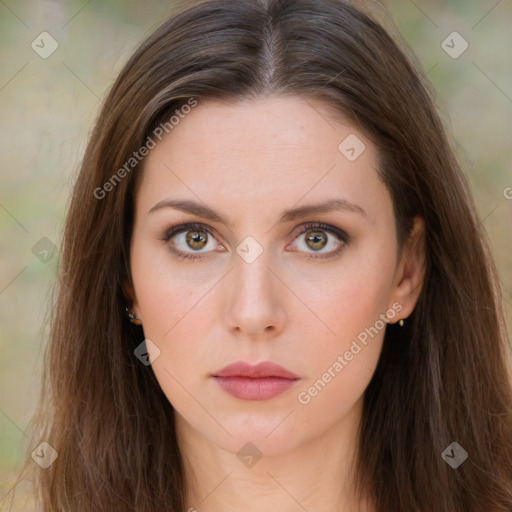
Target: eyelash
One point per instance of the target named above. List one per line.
(175, 230)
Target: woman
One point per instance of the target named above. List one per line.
(274, 290)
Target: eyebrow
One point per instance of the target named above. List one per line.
(205, 211)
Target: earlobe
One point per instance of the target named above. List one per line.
(411, 274)
(134, 319)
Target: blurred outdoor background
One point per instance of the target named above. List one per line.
(48, 106)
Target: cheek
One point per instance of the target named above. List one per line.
(177, 321)
(351, 303)
(176, 306)
(349, 297)
(341, 365)
(340, 383)
(168, 295)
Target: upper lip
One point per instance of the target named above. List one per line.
(264, 369)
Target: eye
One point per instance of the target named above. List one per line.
(319, 236)
(188, 239)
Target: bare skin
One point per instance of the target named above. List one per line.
(301, 303)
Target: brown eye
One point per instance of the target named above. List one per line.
(318, 236)
(190, 240)
(196, 239)
(316, 240)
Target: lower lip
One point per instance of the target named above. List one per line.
(263, 388)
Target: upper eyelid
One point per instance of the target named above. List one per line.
(187, 226)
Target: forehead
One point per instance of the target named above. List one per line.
(257, 153)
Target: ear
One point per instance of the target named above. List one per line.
(130, 297)
(410, 274)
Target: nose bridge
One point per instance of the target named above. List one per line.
(254, 302)
(251, 273)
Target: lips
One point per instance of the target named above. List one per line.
(264, 369)
(255, 382)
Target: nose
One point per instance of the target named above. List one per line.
(255, 307)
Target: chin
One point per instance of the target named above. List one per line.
(271, 436)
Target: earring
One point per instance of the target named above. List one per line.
(401, 322)
(134, 319)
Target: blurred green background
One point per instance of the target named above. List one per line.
(48, 106)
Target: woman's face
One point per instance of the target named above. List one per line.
(259, 280)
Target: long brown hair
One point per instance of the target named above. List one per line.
(442, 378)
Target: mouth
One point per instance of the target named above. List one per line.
(263, 381)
